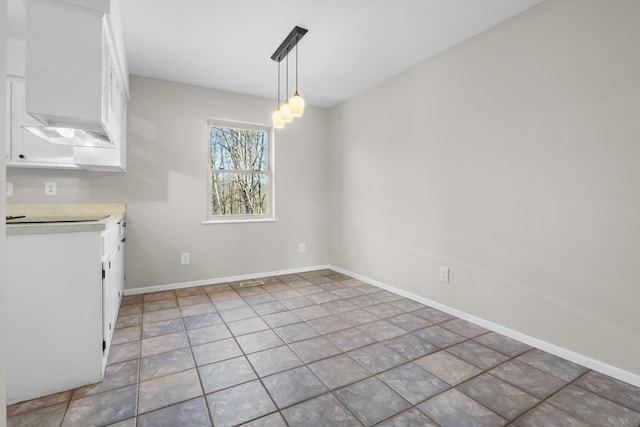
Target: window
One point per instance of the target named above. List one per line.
(240, 172)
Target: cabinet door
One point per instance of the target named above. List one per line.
(123, 126)
(111, 89)
(26, 148)
(109, 297)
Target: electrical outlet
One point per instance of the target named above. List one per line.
(444, 274)
(184, 258)
(9, 191)
(50, 189)
(302, 248)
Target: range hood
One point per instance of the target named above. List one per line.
(72, 136)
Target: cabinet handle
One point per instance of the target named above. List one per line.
(123, 239)
(21, 156)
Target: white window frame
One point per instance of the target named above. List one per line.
(270, 214)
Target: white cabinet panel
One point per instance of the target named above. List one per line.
(53, 313)
(76, 79)
(60, 311)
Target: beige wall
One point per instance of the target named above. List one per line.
(165, 188)
(513, 159)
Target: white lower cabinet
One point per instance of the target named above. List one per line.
(112, 280)
(60, 311)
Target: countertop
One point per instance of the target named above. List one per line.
(112, 211)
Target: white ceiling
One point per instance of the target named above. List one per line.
(351, 45)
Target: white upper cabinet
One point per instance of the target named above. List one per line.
(76, 79)
(113, 116)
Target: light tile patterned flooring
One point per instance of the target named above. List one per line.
(323, 349)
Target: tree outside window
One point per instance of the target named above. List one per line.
(239, 171)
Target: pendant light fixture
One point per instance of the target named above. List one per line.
(294, 106)
(296, 103)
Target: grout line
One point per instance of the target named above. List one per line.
(545, 400)
(258, 377)
(193, 358)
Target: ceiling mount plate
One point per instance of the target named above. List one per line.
(289, 43)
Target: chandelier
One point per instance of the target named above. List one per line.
(294, 106)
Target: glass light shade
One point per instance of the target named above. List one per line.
(296, 105)
(285, 113)
(278, 123)
(66, 132)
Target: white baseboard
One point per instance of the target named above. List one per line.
(218, 280)
(572, 356)
(580, 359)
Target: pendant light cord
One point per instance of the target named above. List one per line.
(296, 68)
(278, 106)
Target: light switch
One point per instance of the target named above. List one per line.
(9, 191)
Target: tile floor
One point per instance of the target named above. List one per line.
(323, 349)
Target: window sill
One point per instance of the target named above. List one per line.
(238, 220)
